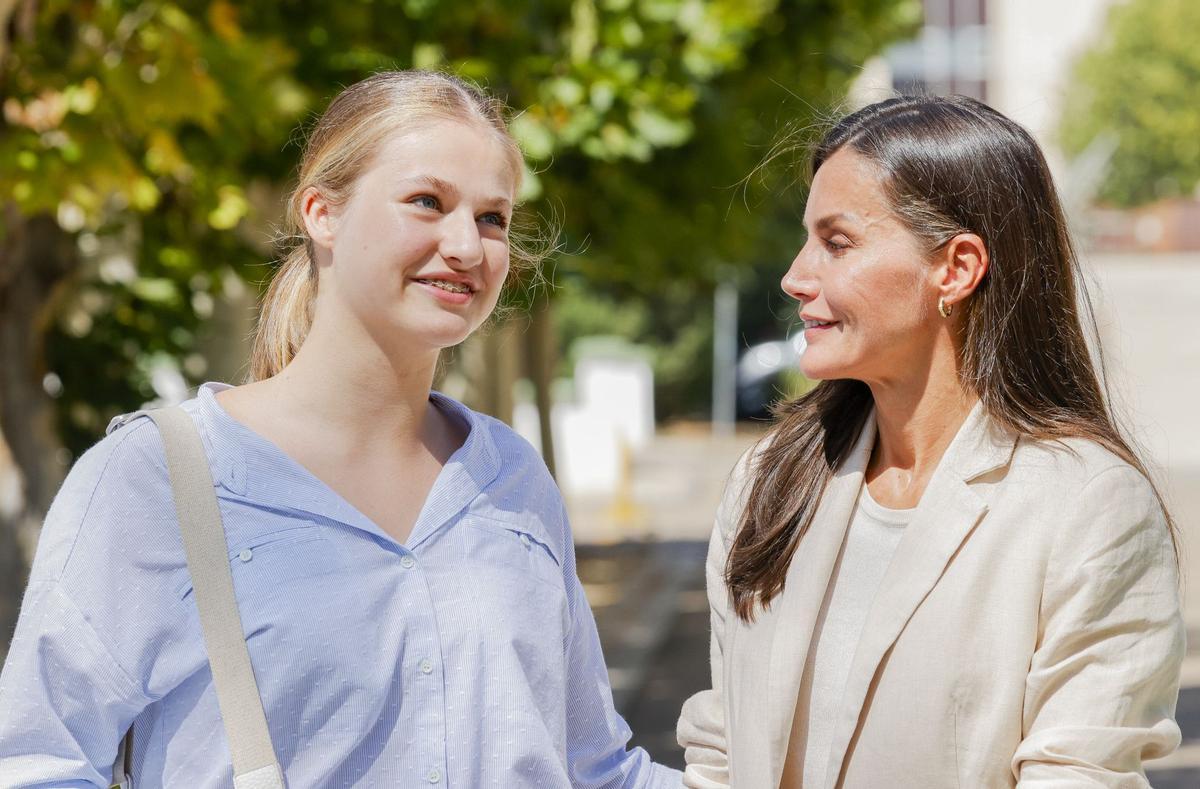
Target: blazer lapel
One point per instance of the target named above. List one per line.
(796, 609)
(949, 510)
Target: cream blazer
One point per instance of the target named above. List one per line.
(1027, 631)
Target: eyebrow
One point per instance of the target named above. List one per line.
(444, 186)
(832, 219)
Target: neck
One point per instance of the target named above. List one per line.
(355, 389)
(917, 419)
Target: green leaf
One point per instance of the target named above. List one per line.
(658, 129)
(155, 290)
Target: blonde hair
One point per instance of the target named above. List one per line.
(339, 148)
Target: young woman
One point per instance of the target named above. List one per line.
(403, 566)
(944, 566)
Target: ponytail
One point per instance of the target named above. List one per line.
(286, 314)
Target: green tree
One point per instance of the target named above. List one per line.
(125, 147)
(139, 139)
(1138, 88)
(660, 233)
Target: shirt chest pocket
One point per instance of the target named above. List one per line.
(501, 546)
(518, 581)
(287, 566)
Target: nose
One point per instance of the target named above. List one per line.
(798, 281)
(461, 245)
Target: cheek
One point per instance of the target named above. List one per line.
(373, 234)
(497, 255)
(887, 291)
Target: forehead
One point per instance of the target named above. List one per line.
(473, 159)
(847, 183)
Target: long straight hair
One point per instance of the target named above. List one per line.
(949, 165)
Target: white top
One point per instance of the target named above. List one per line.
(871, 540)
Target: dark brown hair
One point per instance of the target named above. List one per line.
(949, 165)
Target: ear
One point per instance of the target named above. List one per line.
(964, 261)
(318, 217)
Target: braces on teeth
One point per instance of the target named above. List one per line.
(453, 287)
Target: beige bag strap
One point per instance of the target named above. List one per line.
(254, 762)
(122, 772)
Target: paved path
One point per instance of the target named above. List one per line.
(672, 488)
(641, 559)
(656, 647)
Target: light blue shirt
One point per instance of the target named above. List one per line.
(467, 657)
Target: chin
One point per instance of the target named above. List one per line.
(442, 340)
(814, 370)
(815, 367)
(449, 336)
(829, 373)
(435, 329)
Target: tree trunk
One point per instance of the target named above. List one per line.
(489, 360)
(36, 258)
(540, 352)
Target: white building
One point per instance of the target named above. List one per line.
(1014, 54)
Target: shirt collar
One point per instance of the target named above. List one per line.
(249, 466)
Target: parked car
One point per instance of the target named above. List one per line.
(768, 372)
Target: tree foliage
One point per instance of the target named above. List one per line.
(145, 146)
(139, 127)
(144, 128)
(1138, 88)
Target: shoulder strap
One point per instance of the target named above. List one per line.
(122, 772)
(254, 762)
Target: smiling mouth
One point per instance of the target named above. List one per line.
(452, 287)
(818, 324)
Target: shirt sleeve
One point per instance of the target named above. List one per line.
(1100, 695)
(65, 703)
(87, 655)
(597, 736)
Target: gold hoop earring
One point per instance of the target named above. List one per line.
(944, 309)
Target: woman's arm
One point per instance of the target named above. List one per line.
(66, 696)
(1100, 696)
(65, 702)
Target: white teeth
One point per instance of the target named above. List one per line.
(453, 287)
(814, 324)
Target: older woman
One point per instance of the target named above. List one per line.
(944, 566)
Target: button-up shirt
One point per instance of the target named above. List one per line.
(465, 657)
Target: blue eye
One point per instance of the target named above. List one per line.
(495, 219)
(426, 201)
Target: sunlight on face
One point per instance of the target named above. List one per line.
(863, 280)
(421, 249)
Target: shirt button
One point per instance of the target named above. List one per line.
(525, 540)
(246, 555)
(434, 776)
(426, 666)
(407, 562)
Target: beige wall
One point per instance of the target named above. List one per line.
(1032, 46)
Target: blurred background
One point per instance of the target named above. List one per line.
(146, 148)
